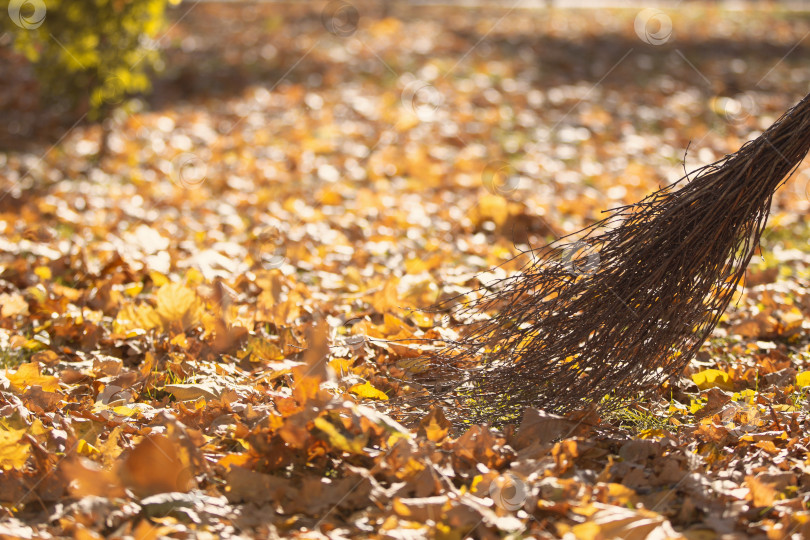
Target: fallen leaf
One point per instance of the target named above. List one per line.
(190, 392)
(712, 378)
(337, 439)
(12, 305)
(14, 449)
(614, 522)
(28, 375)
(367, 391)
(434, 426)
(155, 465)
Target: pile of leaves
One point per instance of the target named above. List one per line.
(203, 334)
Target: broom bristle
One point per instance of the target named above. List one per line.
(596, 321)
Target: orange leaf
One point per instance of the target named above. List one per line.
(29, 375)
(155, 466)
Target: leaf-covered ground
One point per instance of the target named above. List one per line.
(195, 331)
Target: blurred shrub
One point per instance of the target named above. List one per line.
(93, 53)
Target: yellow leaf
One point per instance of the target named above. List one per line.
(177, 307)
(477, 479)
(262, 350)
(586, 531)
(762, 493)
(158, 279)
(784, 407)
(387, 298)
(400, 508)
(37, 428)
(337, 439)
(493, 207)
(434, 426)
(194, 276)
(133, 289)
(29, 375)
(180, 340)
(123, 410)
(43, 272)
(712, 378)
(422, 320)
(677, 408)
(621, 495)
(68, 292)
(802, 379)
(14, 450)
(330, 197)
(110, 449)
(341, 365)
(653, 434)
(366, 391)
(747, 394)
(131, 319)
(415, 265)
(177, 304)
(86, 449)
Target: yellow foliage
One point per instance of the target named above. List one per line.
(28, 375)
(802, 379)
(367, 391)
(14, 450)
(712, 378)
(177, 307)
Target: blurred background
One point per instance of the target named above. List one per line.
(188, 190)
(460, 128)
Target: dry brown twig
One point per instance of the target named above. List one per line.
(595, 321)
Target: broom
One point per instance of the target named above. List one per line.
(608, 317)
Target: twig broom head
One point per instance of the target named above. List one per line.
(653, 282)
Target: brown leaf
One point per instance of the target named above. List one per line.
(243, 485)
(178, 306)
(14, 448)
(88, 478)
(316, 357)
(538, 426)
(44, 401)
(295, 430)
(762, 325)
(716, 400)
(477, 445)
(156, 465)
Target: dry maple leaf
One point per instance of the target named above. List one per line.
(177, 308)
